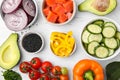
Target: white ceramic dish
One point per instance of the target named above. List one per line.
(57, 24)
(116, 52)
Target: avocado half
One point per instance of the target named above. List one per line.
(9, 52)
(99, 7)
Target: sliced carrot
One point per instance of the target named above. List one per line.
(46, 11)
(62, 18)
(59, 9)
(52, 17)
(68, 6)
(60, 1)
(50, 2)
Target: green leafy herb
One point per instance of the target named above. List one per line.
(11, 75)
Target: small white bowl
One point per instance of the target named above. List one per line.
(72, 52)
(115, 53)
(31, 32)
(58, 24)
(33, 20)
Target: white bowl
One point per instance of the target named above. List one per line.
(73, 14)
(27, 33)
(115, 53)
(33, 20)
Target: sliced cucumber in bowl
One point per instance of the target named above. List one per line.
(102, 38)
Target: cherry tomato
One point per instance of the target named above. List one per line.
(24, 67)
(56, 70)
(46, 66)
(36, 63)
(55, 78)
(64, 71)
(44, 77)
(34, 74)
(64, 77)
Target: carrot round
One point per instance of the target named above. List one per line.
(88, 65)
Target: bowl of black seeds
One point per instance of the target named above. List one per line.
(32, 42)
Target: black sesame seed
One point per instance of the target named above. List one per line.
(32, 42)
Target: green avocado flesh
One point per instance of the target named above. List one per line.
(98, 7)
(9, 52)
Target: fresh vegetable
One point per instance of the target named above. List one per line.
(64, 71)
(44, 77)
(46, 66)
(34, 74)
(17, 14)
(10, 52)
(88, 70)
(11, 75)
(46, 71)
(25, 67)
(29, 7)
(64, 77)
(56, 11)
(100, 38)
(98, 7)
(62, 44)
(17, 20)
(36, 63)
(56, 70)
(113, 70)
(9, 6)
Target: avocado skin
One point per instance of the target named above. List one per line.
(86, 6)
(9, 52)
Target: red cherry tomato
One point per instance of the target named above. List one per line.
(44, 77)
(55, 78)
(24, 67)
(46, 66)
(34, 74)
(64, 77)
(36, 63)
(56, 70)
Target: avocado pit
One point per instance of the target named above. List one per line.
(101, 5)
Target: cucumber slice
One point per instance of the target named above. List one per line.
(99, 22)
(85, 36)
(101, 52)
(111, 52)
(110, 24)
(111, 43)
(117, 35)
(92, 46)
(108, 32)
(93, 28)
(118, 42)
(95, 37)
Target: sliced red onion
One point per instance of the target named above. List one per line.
(17, 20)
(29, 7)
(9, 6)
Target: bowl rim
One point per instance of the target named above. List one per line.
(28, 33)
(96, 58)
(59, 24)
(28, 25)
